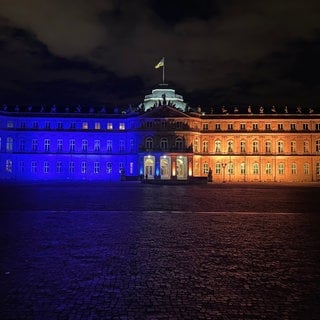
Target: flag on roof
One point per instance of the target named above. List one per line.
(160, 63)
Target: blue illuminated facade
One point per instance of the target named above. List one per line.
(160, 140)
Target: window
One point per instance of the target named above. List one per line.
(242, 146)
(280, 126)
(317, 146)
(35, 125)
(22, 125)
(97, 126)
(306, 168)
(218, 168)
(21, 145)
(230, 126)
(268, 168)
(268, 146)
(60, 125)
(72, 144)
(46, 167)
(196, 145)
(255, 146)
(59, 167)
(85, 125)
(109, 126)
(109, 145)
(46, 145)
(293, 147)
(179, 143)
(268, 126)
(149, 124)
(318, 168)
(149, 143)
(9, 166)
(121, 168)
(242, 126)
(9, 124)
(254, 126)
(293, 127)
(255, 168)
(164, 143)
(96, 145)
(179, 125)
(280, 146)
(293, 168)
(84, 145)
(318, 126)
(305, 146)
(121, 146)
(83, 167)
(217, 146)
(33, 166)
(96, 167)
(21, 166)
(72, 125)
(281, 168)
(131, 167)
(47, 125)
(242, 168)
(230, 146)
(305, 126)
(205, 127)
(9, 146)
(205, 146)
(59, 144)
(122, 126)
(205, 168)
(218, 127)
(131, 145)
(34, 144)
(230, 168)
(164, 125)
(109, 167)
(71, 167)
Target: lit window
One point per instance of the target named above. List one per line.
(268, 168)
(9, 146)
(318, 168)
(109, 167)
(255, 168)
(230, 126)
(9, 166)
(195, 145)
(109, 126)
(255, 146)
(85, 125)
(96, 167)
(293, 127)
(205, 127)
(59, 145)
(305, 146)
(280, 126)
(293, 145)
(97, 126)
(306, 168)
(34, 144)
(242, 168)
(205, 146)
(83, 167)
(96, 145)
(84, 145)
(217, 146)
(218, 168)
(254, 126)
(230, 146)
(46, 145)
(268, 146)
(33, 166)
(242, 146)
(109, 145)
(242, 126)
(230, 168)
(218, 126)
(280, 146)
(46, 167)
(317, 146)
(205, 168)
(59, 167)
(268, 126)
(281, 168)
(122, 126)
(131, 168)
(121, 168)
(294, 168)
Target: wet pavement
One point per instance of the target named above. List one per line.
(136, 251)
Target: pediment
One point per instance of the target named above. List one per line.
(164, 111)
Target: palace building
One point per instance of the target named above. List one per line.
(162, 139)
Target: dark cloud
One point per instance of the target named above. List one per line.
(216, 51)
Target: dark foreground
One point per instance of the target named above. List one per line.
(135, 251)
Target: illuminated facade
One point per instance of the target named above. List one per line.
(164, 141)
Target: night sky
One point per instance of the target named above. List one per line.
(221, 52)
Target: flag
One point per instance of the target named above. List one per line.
(160, 64)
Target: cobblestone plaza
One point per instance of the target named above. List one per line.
(139, 251)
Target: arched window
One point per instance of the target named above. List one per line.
(280, 146)
(164, 144)
(281, 168)
(242, 146)
(255, 168)
(255, 146)
(242, 168)
(205, 168)
(294, 168)
(179, 143)
(217, 146)
(205, 146)
(306, 168)
(317, 145)
(149, 143)
(230, 146)
(268, 146)
(9, 146)
(268, 168)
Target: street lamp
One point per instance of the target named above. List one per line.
(224, 171)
